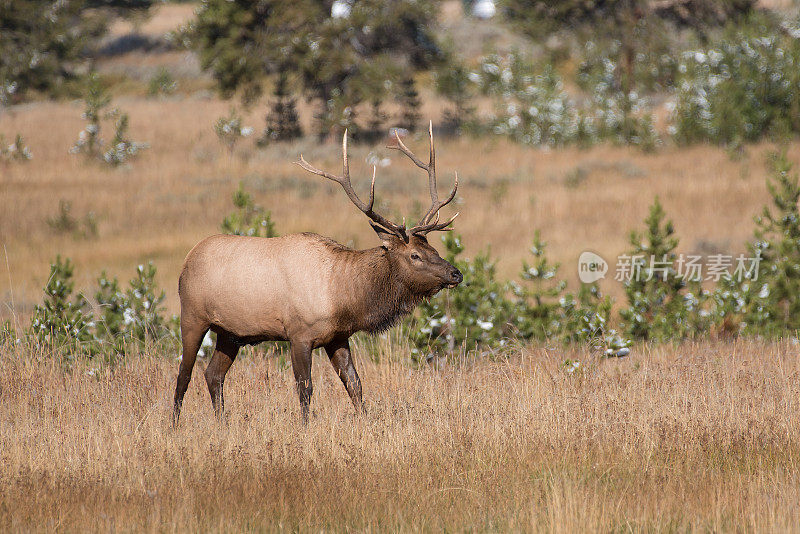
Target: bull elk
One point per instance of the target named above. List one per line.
(308, 289)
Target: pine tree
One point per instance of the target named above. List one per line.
(134, 316)
(410, 105)
(536, 17)
(90, 143)
(453, 83)
(376, 124)
(375, 84)
(476, 314)
(774, 296)
(96, 100)
(283, 123)
(45, 46)
(539, 298)
(62, 321)
(241, 42)
(145, 306)
(249, 219)
(662, 304)
(546, 312)
(112, 302)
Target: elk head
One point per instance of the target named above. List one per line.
(410, 256)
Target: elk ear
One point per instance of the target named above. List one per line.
(390, 239)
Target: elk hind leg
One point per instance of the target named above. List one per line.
(224, 354)
(192, 334)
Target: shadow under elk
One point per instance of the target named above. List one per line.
(308, 290)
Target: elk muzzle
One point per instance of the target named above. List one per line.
(455, 278)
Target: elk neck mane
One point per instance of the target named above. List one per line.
(372, 297)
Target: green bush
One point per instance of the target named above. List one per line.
(113, 303)
(248, 219)
(742, 89)
(655, 67)
(144, 312)
(66, 223)
(475, 314)
(63, 322)
(535, 17)
(122, 148)
(486, 314)
(66, 323)
(773, 299)
(90, 143)
(532, 107)
(134, 317)
(96, 100)
(663, 304)
(539, 315)
(622, 118)
(586, 319)
(17, 151)
(8, 335)
(230, 130)
(162, 83)
(731, 299)
(547, 312)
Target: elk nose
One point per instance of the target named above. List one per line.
(456, 276)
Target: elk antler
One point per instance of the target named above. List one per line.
(426, 224)
(344, 181)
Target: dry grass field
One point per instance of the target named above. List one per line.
(693, 437)
(675, 438)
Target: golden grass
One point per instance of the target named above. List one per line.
(699, 437)
(178, 191)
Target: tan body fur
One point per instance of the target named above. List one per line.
(311, 288)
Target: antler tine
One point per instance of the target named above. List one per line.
(425, 223)
(432, 169)
(434, 226)
(452, 194)
(405, 150)
(344, 181)
(345, 163)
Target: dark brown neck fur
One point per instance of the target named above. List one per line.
(373, 298)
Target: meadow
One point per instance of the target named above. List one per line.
(694, 436)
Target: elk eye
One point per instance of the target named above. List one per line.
(415, 256)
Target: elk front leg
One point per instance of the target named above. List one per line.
(342, 361)
(224, 354)
(301, 365)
